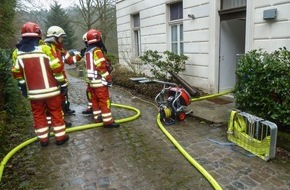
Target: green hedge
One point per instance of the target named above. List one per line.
(263, 85)
(11, 99)
(15, 114)
(5, 75)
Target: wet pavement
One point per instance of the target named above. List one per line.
(139, 156)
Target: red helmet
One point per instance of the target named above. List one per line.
(93, 36)
(31, 29)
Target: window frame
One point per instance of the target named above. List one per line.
(136, 35)
(233, 4)
(179, 41)
(179, 24)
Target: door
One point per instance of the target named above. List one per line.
(232, 44)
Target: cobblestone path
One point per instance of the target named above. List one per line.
(138, 156)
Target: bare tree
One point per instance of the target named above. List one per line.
(32, 10)
(99, 14)
(29, 5)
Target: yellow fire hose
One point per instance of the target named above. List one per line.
(212, 95)
(211, 180)
(78, 128)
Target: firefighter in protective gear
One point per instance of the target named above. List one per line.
(54, 38)
(36, 68)
(99, 79)
(89, 109)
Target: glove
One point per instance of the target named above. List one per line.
(107, 82)
(22, 87)
(110, 84)
(83, 51)
(109, 67)
(109, 78)
(63, 90)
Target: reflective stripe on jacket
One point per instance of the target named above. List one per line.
(62, 54)
(96, 68)
(40, 70)
(94, 80)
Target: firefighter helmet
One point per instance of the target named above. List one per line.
(31, 29)
(93, 36)
(85, 37)
(55, 31)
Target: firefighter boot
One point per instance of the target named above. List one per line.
(69, 112)
(65, 107)
(67, 124)
(44, 143)
(88, 111)
(63, 141)
(99, 119)
(112, 125)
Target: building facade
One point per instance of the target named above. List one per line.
(213, 34)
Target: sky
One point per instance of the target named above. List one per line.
(45, 4)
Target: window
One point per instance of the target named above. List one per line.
(176, 26)
(137, 34)
(177, 39)
(229, 4)
(176, 11)
(233, 9)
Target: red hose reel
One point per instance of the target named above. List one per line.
(172, 102)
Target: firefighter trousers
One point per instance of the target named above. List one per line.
(101, 104)
(41, 127)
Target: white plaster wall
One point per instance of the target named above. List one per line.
(197, 44)
(201, 35)
(270, 34)
(199, 40)
(152, 26)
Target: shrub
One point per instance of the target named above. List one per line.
(121, 77)
(12, 101)
(113, 59)
(14, 109)
(263, 83)
(160, 66)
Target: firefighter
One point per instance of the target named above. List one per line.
(54, 38)
(40, 72)
(89, 109)
(99, 79)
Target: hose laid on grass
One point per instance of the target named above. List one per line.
(78, 128)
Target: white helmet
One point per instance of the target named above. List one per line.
(85, 37)
(55, 31)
